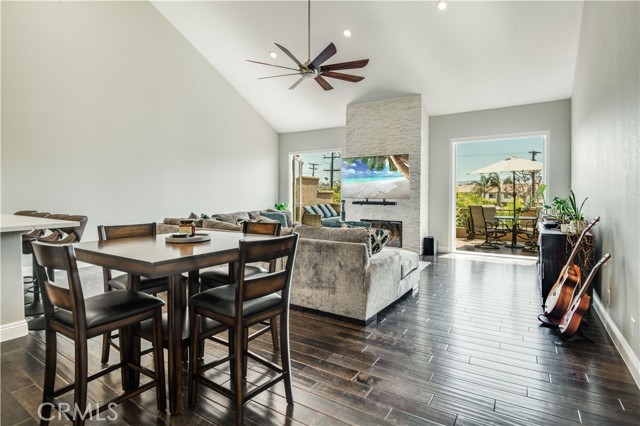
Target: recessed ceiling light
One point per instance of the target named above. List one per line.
(273, 54)
(347, 32)
(441, 4)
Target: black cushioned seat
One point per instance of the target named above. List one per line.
(146, 284)
(221, 300)
(106, 308)
(216, 276)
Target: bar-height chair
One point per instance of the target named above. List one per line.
(121, 281)
(238, 306)
(216, 277)
(68, 312)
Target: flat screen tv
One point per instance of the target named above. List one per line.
(378, 177)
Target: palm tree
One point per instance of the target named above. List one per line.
(482, 186)
(396, 163)
(494, 179)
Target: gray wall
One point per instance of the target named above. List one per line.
(313, 140)
(605, 159)
(551, 117)
(108, 111)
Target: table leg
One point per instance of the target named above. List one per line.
(514, 238)
(175, 343)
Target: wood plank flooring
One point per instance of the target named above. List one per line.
(466, 349)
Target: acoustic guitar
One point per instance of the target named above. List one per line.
(570, 321)
(563, 290)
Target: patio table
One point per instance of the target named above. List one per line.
(153, 257)
(515, 224)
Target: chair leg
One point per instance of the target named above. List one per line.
(238, 374)
(81, 378)
(285, 355)
(158, 358)
(194, 350)
(50, 364)
(274, 332)
(106, 347)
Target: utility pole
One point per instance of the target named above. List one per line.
(314, 167)
(334, 156)
(533, 175)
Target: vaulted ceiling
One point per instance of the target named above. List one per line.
(474, 55)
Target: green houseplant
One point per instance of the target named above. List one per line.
(281, 206)
(569, 211)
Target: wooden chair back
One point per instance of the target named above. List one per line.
(73, 234)
(273, 282)
(262, 228)
(114, 232)
(25, 212)
(60, 257)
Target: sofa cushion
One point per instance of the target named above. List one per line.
(286, 213)
(347, 235)
(379, 239)
(325, 210)
(177, 220)
(408, 260)
(309, 210)
(280, 217)
(231, 217)
(332, 211)
(220, 225)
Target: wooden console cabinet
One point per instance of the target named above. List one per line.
(553, 255)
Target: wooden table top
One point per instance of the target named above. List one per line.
(154, 257)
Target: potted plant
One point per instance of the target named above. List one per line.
(569, 213)
(281, 206)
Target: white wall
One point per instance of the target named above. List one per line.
(605, 159)
(108, 111)
(313, 140)
(552, 117)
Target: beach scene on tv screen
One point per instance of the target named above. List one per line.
(377, 177)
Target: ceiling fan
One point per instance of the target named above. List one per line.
(314, 69)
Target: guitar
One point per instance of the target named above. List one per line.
(570, 321)
(563, 290)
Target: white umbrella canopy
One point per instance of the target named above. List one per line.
(511, 164)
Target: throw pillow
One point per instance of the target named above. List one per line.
(333, 211)
(193, 216)
(286, 213)
(204, 216)
(325, 210)
(231, 217)
(317, 210)
(379, 238)
(276, 216)
(309, 210)
(223, 226)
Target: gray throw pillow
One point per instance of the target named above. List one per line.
(333, 211)
(325, 210)
(317, 210)
(309, 210)
(276, 216)
(231, 217)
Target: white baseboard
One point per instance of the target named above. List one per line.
(630, 358)
(13, 330)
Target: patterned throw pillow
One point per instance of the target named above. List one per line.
(317, 210)
(379, 238)
(325, 211)
(332, 211)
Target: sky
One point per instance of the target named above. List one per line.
(317, 157)
(475, 154)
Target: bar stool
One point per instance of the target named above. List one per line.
(216, 277)
(68, 312)
(237, 307)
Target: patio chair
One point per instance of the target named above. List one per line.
(492, 230)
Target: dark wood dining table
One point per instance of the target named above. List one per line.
(515, 224)
(154, 257)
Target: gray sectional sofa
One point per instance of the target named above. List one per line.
(336, 272)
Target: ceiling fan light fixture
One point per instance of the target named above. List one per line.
(347, 32)
(273, 54)
(442, 4)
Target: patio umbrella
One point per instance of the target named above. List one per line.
(511, 164)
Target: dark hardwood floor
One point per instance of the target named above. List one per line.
(466, 349)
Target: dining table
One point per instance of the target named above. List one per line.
(155, 257)
(515, 225)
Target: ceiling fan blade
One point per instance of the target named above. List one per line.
(289, 54)
(296, 83)
(281, 75)
(341, 76)
(271, 65)
(323, 83)
(345, 65)
(328, 52)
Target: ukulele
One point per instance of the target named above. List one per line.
(570, 321)
(563, 290)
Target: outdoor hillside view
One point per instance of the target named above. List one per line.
(488, 172)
